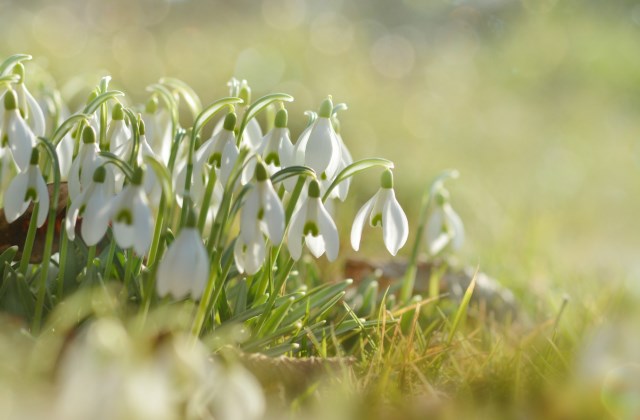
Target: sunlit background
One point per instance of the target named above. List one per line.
(536, 102)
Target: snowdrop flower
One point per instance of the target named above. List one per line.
(27, 104)
(252, 136)
(26, 187)
(85, 164)
(15, 132)
(262, 213)
(8, 169)
(185, 267)
(118, 133)
(276, 149)
(313, 223)
(131, 216)
(220, 150)
(64, 150)
(318, 146)
(383, 210)
(444, 228)
(89, 204)
(342, 189)
(158, 123)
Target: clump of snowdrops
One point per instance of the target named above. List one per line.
(220, 230)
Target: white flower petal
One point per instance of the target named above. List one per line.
(395, 227)
(143, 222)
(320, 153)
(456, 225)
(329, 232)
(43, 196)
(64, 150)
(72, 217)
(255, 255)
(36, 116)
(273, 212)
(294, 237)
(434, 226)
(96, 222)
(229, 157)
(14, 203)
(359, 221)
(21, 139)
(239, 254)
(249, 216)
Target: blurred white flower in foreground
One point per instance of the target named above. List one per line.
(383, 210)
(313, 223)
(26, 187)
(15, 132)
(444, 227)
(184, 269)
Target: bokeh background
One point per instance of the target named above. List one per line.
(536, 102)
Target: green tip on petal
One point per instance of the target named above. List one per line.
(35, 156)
(99, 174)
(18, 70)
(88, 135)
(386, 179)
(245, 93)
(141, 127)
(314, 189)
(442, 197)
(230, 121)
(137, 176)
(152, 105)
(261, 172)
(326, 108)
(282, 118)
(10, 100)
(117, 112)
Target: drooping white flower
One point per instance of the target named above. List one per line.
(118, 133)
(89, 204)
(276, 149)
(64, 150)
(444, 227)
(29, 107)
(313, 223)
(252, 135)
(262, 213)
(15, 132)
(85, 164)
(184, 269)
(158, 123)
(383, 210)
(318, 146)
(8, 169)
(26, 187)
(220, 150)
(342, 189)
(131, 216)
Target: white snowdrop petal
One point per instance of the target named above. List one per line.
(248, 171)
(320, 148)
(252, 134)
(200, 275)
(239, 254)
(434, 226)
(43, 197)
(329, 232)
(395, 227)
(143, 222)
(21, 140)
(96, 222)
(457, 226)
(359, 221)
(249, 216)
(273, 213)
(36, 114)
(64, 150)
(255, 256)
(301, 146)
(72, 217)
(229, 157)
(437, 244)
(294, 237)
(14, 203)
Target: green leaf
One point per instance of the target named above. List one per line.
(190, 96)
(355, 168)
(292, 171)
(260, 105)
(462, 309)
(124, 166)
(276, 317)
(205, 116)
(100, 99)
(67, 125)
(8, 64)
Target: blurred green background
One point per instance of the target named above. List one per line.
(536, 102)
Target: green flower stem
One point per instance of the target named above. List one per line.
(295, 195)
(48, 245)
(128, 271)
(409, 279)
(110, 256)
(187, 180)
(28, 244)
(90, 256)
(157, 232)
(64, 245)
(104, 85)
(202, 217)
